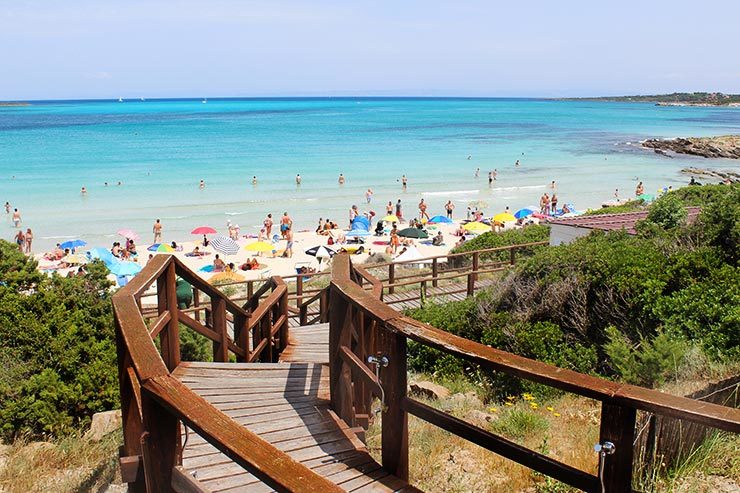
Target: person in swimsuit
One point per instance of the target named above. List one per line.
(369, 195)
(389, 208)
(254, 180)
(640, 189)
(268, 225)
(157, 230)
(202, 185)
(423, 210)
(477, 172)
(404, 182)
(341, 179)
(7, 207)
(398, 210)
(16, 218)
(395, 240)
(83, 191)
(449, 207)
(285, 223)
(298, 179)
(218, 264)
(20, 240)
(29, 240)
(289, 245)
(490, 178)
(554, 203)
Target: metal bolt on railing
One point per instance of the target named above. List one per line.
(379, 362)
(603, 449)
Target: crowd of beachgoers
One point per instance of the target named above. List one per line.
(278, 247)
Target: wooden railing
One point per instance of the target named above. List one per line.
(362, 326)
(308, 293)
(155, 404)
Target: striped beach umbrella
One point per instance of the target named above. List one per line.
(321, 251)
(161, 247)
(225, 245)
(128, 234)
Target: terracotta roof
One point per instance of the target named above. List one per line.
(613, 222)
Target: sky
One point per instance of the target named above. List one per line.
(88, 49)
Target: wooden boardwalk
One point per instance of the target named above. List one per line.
(287, 405)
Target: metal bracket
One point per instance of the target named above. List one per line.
(379, 361)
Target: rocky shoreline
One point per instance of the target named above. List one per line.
(712, 174)
(726, 146)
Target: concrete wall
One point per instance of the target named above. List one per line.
(560, 234)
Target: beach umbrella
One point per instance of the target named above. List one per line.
(161, 247)
(441, 219)
(72, 244)
(321, 251)
(74, 259)
(476, 227)
(413, 233)
(504, 217)
(260, 246)
(128, 234)
(124, 268)
(101, 253)
(478, 204)
(357, 233)
(227, 276)
(361, 222)
(391, 218)
(225, 245)
(203, 230)
(522, 213)
(647, 197)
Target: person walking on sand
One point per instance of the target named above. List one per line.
(29, 239)
(341, 179)
(289, 245)
(423, 210)
(449, 207)
(16, 218)
(157, 230)
(395, 240)
(404, 182)
(399, 213)
(268, 226)
(369, 195)
(20, 240)
(285, 223)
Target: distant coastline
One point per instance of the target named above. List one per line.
(673, 99)
(14, 103)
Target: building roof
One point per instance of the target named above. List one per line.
(614, 222)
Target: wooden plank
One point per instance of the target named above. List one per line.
(394, 433)
(183, 482)
(251, 452)
(618, 427)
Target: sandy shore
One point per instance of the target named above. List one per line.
(277, 265)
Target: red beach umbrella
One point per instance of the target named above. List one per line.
(203, 230)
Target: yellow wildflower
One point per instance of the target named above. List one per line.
(557, 415)
(509, 404)
(527, 397)
(510, 397)
(493, 409)
(550, 408)
(533, 405)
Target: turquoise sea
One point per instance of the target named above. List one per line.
(160, 149)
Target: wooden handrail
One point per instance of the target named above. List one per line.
(154, 402)
(352, 306)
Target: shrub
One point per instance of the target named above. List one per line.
(631, 206)
(519, 423)
(529, 234)
(58, 342)
(648, 363)
(667, 212)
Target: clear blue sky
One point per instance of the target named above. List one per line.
(157, 48)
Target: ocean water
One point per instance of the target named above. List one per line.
(160, 149)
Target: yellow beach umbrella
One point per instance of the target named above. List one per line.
(391, 218)
(74, 259)
(476, 227)
(504, 217)
(226, 276)
(260, 246)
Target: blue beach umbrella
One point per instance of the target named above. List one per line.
(521, 213)
(357, 233)
(72, 244)
(361, 222)
(102, 254)
(441, 220)
(124, 268)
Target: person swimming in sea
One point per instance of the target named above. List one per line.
(202, 184)
(83, 191)
(298, 179)
(254, 180)
(341, 179)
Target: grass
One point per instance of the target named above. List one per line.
(70, 464)
(565, 428)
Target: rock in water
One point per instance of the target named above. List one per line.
(103, 423)
(727, 146)
(429, 390)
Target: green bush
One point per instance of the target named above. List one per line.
(667, 212)
(651, 361)
(529, 234)
(519, 423)
(631, 206)
(193, 346)
(58, 348)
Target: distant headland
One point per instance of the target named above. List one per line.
(14, 103)
(674, 99)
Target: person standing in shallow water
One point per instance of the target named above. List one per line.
(298, 179)
(29, 240)
(341, 179)
(404, 182)
(157, 230)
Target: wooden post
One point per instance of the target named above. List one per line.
(513, 255)
(394, 440)
(324, 306)
(338, 337)
(391, 277)
(196, 304)
(218, 315)
(422, 291)
(241, 336)
(265, 329)
(132, 424)
(169, 338)
(250, 289)
(471, 285)
(618, 427)
(299, 296)
(435, 272)
(284, 330)
(159, 444)
(476, 263)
